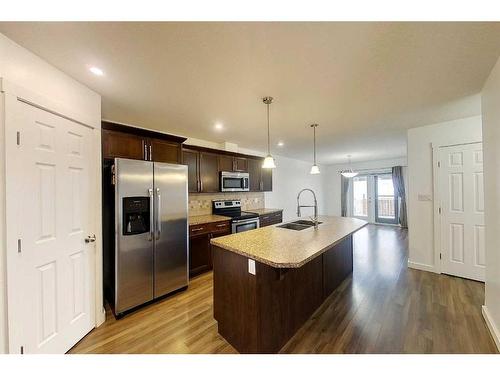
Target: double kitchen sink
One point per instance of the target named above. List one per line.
(298, 225)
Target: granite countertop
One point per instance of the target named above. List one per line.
(205, 219)
(286, 248)
(265, 211)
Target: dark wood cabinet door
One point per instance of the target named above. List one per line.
(240, 164)
(254, 171)
(267, 179)
(209, 173)
(164, 151)
(191, 159)
(122, 145)
(200, 256)
(226, 163)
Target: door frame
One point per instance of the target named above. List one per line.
(436, 199)
(9, 94)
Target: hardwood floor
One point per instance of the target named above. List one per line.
(383, 308)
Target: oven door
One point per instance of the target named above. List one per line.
(238, 226)
(234, 181)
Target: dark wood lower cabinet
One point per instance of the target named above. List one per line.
(200, 254)
(200, 251)
(271, 219)
(260, 313)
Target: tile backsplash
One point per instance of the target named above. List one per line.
(201, 204)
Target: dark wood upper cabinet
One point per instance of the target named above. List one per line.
(209, 172)
(254, 171)
(267, 179)
(240, 164)
(121, 141)
(226, 163)
(205, 165)
(122, 145)
(164, 151)
(191, 159)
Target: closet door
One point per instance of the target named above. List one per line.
(51, 253)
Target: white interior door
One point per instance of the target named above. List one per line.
(50, 265)
(461, 193)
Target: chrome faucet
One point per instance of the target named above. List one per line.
(315, 220)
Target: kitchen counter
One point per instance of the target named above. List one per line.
(205, 219)
(265, 211)
(286, 248)
(269, 281)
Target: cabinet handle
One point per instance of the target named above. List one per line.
(145, 151)
(221, 225)
(261, 185)
(201, 185)
(265, 217)
(196, 229)
(150, 154)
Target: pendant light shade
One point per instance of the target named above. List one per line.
(314, 168)
(269, 160)
(348, 173)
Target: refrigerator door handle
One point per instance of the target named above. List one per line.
(151, 213)
(158, 209)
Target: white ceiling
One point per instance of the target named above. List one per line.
(364, 83)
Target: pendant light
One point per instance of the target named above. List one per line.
(269, 160)
(348, 173)
(314, 168)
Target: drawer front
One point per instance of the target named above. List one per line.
(221, 226)
(271, 219)
(217, 227)
(195, 230)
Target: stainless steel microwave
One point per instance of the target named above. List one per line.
(234, 181)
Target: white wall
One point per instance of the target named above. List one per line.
(24, 69)
(289, 177)
(420, 182)
(332, 189)
(491, 156)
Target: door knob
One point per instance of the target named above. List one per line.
(90, 239)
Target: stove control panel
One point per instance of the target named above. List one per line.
(227, 204)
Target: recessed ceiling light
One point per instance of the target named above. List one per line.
(281, 143)
(96, 71)
(218, 126)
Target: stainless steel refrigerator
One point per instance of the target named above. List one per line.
(151, 231)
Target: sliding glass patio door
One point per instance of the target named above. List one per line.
(372, 198)
(386, 204)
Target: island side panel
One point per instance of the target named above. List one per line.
(337, 265)
(260, 313)
(286, 299)
(235, 305)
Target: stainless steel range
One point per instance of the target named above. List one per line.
(241, 221)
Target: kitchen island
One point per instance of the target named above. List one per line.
(269, 281)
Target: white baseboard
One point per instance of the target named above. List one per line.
(491, 326)
(421, 267)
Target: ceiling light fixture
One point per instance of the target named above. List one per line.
(269, 160)
(348, 173)
(218, 126)
(281, 143)
(314, 168)
(96, 71)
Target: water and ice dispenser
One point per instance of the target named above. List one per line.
(136, 215)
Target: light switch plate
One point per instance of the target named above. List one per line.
(425, 197)
(251, 266)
